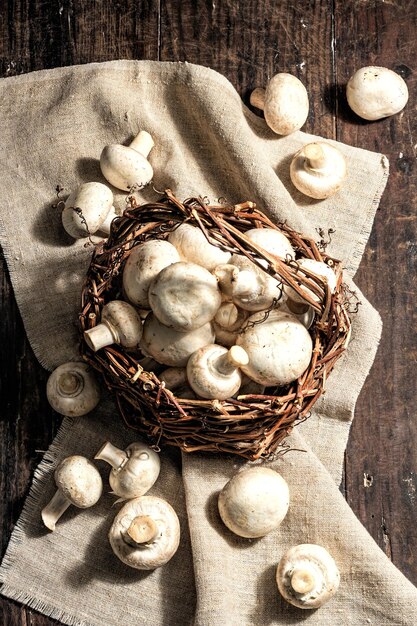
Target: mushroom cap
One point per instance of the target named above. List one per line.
(254, 502)
(301, 311)
(154, 553)
(94, 201)
(72, 389)
(286, 104)
(307, 576)
(279, 348)
(184, 296)
(171, 347)
(126, 320)
(273, 241)
(193, 246)
(376, 92)
(320, 269)
(138, 473)
(124, 167)
(318, 182)
(79, 481)
(143, 265)
(206, 376)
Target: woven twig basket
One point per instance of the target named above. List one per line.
(252, 426)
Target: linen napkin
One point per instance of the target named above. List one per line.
(206, 143)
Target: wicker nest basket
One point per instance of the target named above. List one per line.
(252, 426)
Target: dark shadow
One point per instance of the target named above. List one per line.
(48, 228)
(215, 521)
(88, 170)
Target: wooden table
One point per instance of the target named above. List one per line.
(322, 42)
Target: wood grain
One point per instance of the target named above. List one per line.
(321, 42)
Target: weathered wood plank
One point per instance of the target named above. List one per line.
(381, 459)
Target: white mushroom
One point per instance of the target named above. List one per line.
(320, 269)
(87, 209)
(134, 470)
(105, 228)
(127, 167)
(72, 389)
(376, 92)
(171, 347)
(193, 246)
(273, 241)
(145, 533)
(78, 482)
(254, 502)
(213, 371)
(318, 170)
(227, 322)
(279, 348)
(284, 103)
(247, 285)
(249, 387)
(184, 296)
(143, 265)
(120, 323)
(307, 576)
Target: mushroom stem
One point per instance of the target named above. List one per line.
(102, 335)
(143, 143)
(303, 579)
(315, 157)
(142, 529)
(257, 98)
(112, 455)
(230, 361)
(54, 509)
(70, 384)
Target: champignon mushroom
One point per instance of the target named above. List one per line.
(78, 482)
(273, 241)
(171, 347)
(213, 371)
(279, 348)
(254, 502)
(227, 322)
(72, 389)
(86, 209)
(249, 387)
(318, 170)
(134, 470)
(307, 576)
(127, 167)
(376, 92)
(284, 103)
(145, 533)
(193, 246)
(320, 269)
(249, 287)
(143, 265)
(184, 296)
(120, 323)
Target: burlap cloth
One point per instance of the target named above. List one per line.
(54, 125)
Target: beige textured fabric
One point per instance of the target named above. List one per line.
(207, 143)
